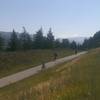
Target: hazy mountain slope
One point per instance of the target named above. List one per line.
(78, 40)
(5, 35)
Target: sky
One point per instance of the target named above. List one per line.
(67, 18)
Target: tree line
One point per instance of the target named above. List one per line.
(25, 41)
(92, 42)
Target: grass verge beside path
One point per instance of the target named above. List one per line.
(12, 62)
(76, 80)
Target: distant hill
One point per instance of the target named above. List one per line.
(5, 35)
(78, 40)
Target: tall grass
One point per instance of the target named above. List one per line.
(76, 80)
(12, 62)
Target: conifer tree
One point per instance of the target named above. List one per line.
(13, 43)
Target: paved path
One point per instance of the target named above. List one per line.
(29, 72)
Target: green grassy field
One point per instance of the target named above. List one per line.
(78, 79)
(12, 62)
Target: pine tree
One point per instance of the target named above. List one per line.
(50, 39)
(25, 40)
(73, 45)
(57, 43)
(13, 43)
(65, 43)
(39, 39)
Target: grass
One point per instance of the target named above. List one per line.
(78, 79)
(12, 62)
